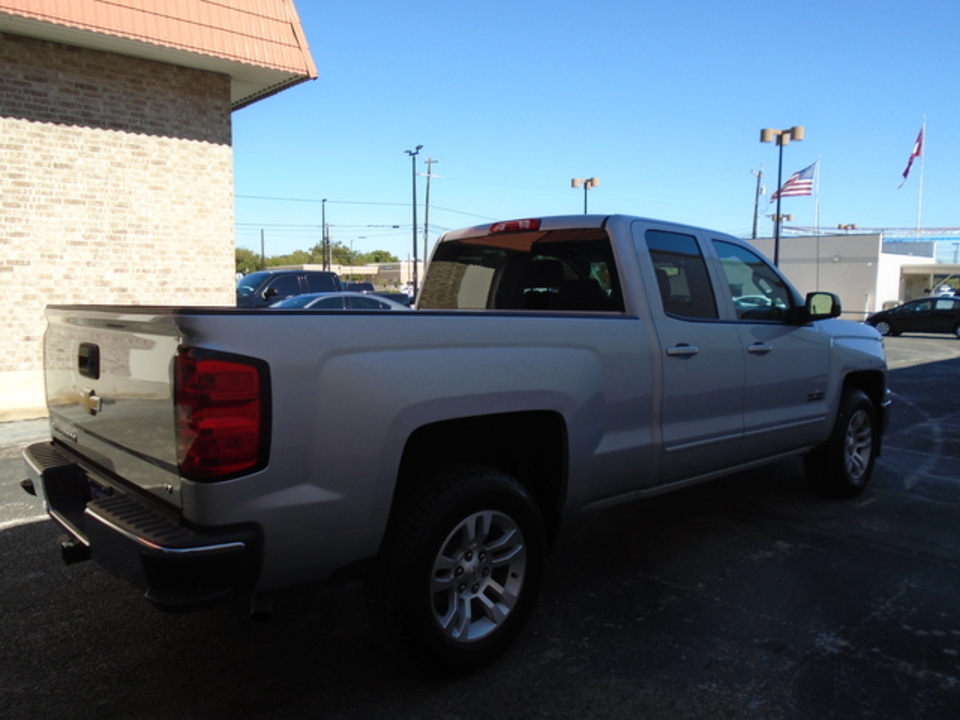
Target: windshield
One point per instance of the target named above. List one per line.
(248, 284)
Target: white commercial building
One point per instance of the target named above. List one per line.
(855, 267)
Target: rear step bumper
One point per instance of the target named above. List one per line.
(181, 568)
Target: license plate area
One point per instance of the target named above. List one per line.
(67, 490)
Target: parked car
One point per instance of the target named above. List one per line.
(338, 301)
(263, 288)
(357, 286)
(939, 314)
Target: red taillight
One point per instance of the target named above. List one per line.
(514, 226)
(220, 405)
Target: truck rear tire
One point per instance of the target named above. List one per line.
(843, 465)
(460, 569)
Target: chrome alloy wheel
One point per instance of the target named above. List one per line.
(858, 445)
(883, 327)
(478, 576)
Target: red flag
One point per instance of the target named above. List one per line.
(914, 154)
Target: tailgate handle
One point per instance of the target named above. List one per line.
(88, 360)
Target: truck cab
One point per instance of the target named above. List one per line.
(265, 287)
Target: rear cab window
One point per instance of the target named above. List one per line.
(551, 271)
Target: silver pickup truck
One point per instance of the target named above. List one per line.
(554, 366)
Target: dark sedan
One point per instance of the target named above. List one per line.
(939, 314)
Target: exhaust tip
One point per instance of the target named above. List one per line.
(73, 552)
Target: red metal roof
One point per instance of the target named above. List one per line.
(246, 36)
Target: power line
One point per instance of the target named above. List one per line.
(359, 202)
(314, 200)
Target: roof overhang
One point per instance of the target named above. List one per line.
(249, 82)
(931, 269)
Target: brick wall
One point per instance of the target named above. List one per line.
(116, 186)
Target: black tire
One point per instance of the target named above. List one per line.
(843, 465)
(459, 570)
(956, 331)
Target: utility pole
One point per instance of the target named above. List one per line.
(263, 256)
(756, 200)
(426, 212)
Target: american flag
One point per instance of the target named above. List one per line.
(800, 183)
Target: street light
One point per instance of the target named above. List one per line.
(781, 218)
(324, 239)
(783, 138)
(587, 184)
(413, 169)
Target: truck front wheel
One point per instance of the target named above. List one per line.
(842, 466)
(460, 568)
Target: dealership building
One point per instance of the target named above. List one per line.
(116, 171)
(870, 271)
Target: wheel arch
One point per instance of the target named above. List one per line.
(531, 446)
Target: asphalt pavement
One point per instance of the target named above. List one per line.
(748, 597)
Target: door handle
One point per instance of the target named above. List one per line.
(759, 348)
(682, 350)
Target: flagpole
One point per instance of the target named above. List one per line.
(816, 206)
(923, 154)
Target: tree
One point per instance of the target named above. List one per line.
(247, 261)
(342, 254)
(378, 256)
(297, 257)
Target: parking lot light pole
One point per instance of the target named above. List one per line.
(587, 184)
(324, 240)
(781, 218)
(413, 169)
(783, 138)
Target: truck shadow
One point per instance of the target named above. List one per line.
(673, 584)
(121, 658)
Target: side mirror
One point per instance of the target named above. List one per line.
(819, 306)
(270, 293)
(822, 305)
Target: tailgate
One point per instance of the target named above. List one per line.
(109, 389)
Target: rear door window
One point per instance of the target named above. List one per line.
(682, 277)
(317, 282)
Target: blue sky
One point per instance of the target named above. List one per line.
(663, 102)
